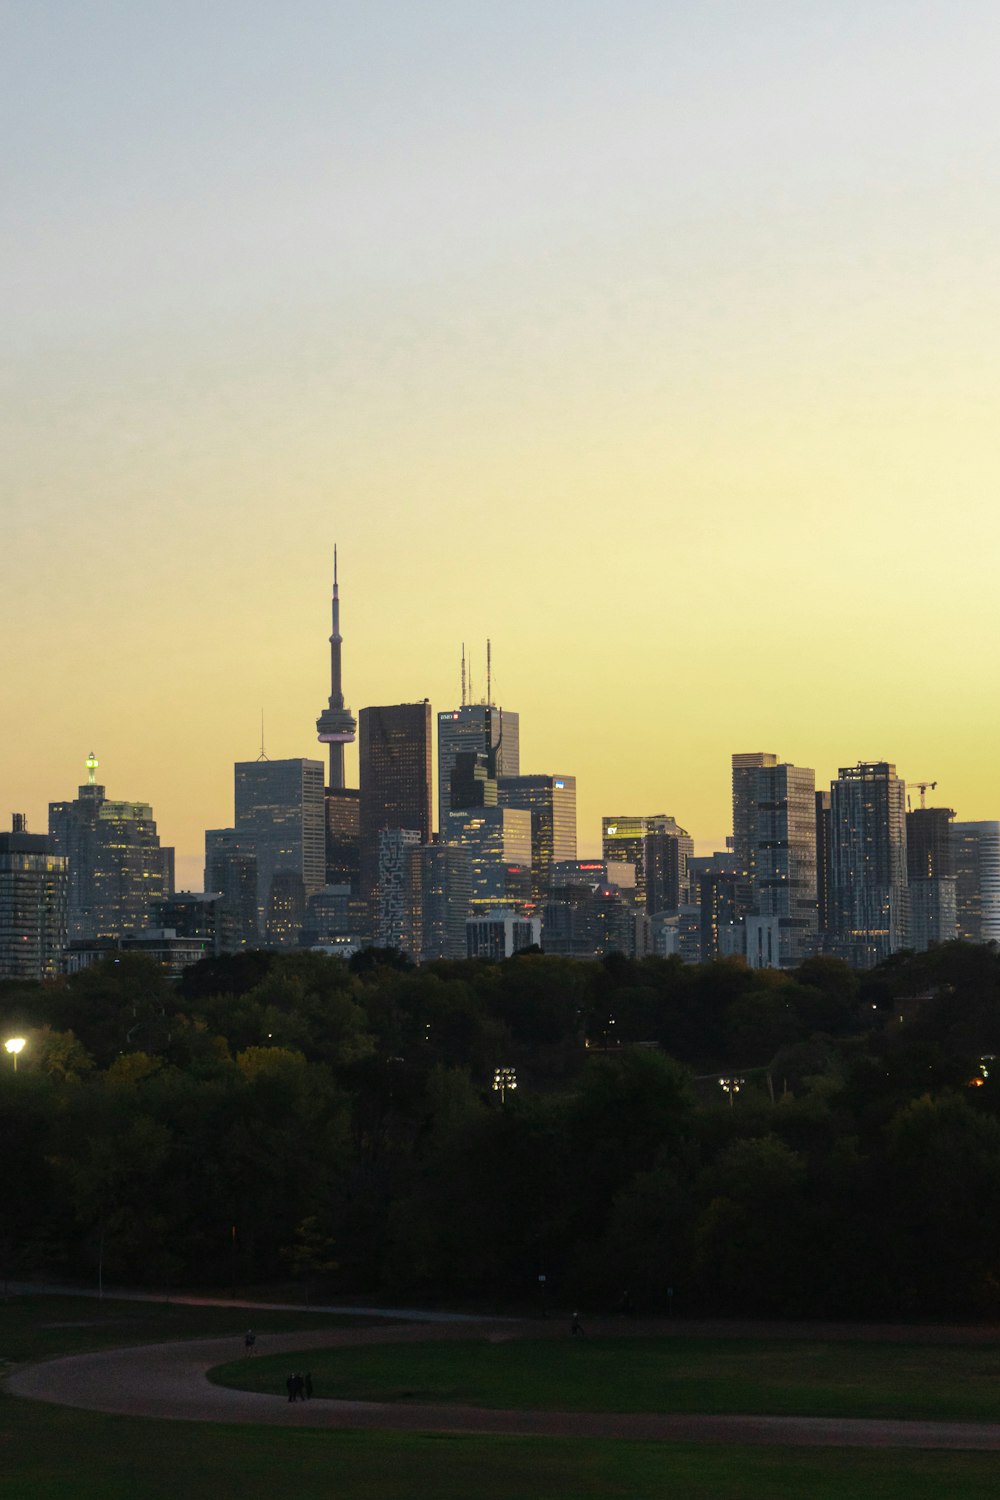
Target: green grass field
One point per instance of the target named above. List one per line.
(773, 1376)
(53, 1453)
(42, 1327)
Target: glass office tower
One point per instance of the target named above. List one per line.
(280, 808)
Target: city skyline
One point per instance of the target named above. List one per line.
(651, 343)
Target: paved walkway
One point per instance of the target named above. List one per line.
(169, 1381)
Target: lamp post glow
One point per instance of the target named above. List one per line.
(730, 1086)
(15, 1046)
(504, 1079)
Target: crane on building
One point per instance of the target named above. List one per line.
(923, 787)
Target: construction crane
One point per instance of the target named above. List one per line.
(922, 787)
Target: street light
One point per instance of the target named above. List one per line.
(14, 1045)
(504, 1079)
(730, 1086)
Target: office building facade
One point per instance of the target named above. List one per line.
(116, 866)
(869, 893)
(930, 868)
(33, 894)
(976, 855)
(480, 728)
(659, 848)
(551, 802)
(231, 874)
(395, 757)
(280, 809)
(498, 843)
(744, 789)
(781, 811)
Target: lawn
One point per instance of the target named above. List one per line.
(54, 1453)
(793, 1377)
(42, 1327)
(49, 1453)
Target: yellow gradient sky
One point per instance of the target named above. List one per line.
(657, 342)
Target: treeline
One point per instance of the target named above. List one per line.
(277, 1116)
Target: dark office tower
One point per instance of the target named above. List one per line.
(823, 864)
(668, 849)
(231, 874)
(196, 915)
(977, 876)
(33, 882)
(395, 762)
(551, 801)
(445, 896)
(343, 835)
(116, 864)
(744, 808)
(335, 725)
(472, 782)
(286, 909)
(280, 807)
(480, 728)
(627, 839)
(782, 809)
(723, 898)
(930, 867)
(869, 898)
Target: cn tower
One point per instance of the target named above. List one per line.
(335, 725)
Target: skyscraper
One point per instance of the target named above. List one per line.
(397, 920)
(481, 728)
(280, 808)
(658, 847)
(498, 843)
(780, 805)
(231, 874)
(116, 865)
(869, 896)
(395, 762)
(744, 807)
(976, 851)
(930, 866)
(335, 725)
(33, 883)
(445, 882)
(551, 801)
(823, 864)
(343, 836)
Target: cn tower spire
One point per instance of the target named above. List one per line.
(335, 725)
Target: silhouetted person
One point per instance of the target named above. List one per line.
(308, 1386)
(576, 1326)
(250, 1342)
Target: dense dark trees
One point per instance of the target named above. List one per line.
(290, 1114)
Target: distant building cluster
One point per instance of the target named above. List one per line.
(854, 871)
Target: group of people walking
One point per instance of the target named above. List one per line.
(300, 1387)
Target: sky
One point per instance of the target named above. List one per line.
(656, 342)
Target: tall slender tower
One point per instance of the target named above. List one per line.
(335, 725)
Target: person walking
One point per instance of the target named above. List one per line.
(250, 1342)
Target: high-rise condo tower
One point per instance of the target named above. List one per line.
(335, 725)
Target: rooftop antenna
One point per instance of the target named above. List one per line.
(263, 754)
(489, 672)
(463, 674)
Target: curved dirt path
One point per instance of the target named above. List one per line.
(169, 1381)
